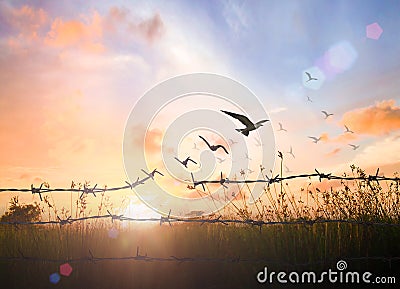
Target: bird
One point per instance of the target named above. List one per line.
(232, 142)
(258, 142)
(185, 162)
(221, 160)
(250, 171)
(326, 114)
(310, 77)
(243, 119)
(291, 152)
(347, 129)
(354, 146)
(287, 170)
(195, 146)
(213, 147)
(315, 138)
(281, 127)
(247, 157)
(309, 99)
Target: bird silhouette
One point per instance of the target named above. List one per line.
(213, 147)
(247, 157)
(195, 146)
(310, 77)
(185, 162)
(221, 160)
(347, 129)
(326, 114)
(309, 99)
(247, 122)
(291, 152)
(232, 142)
(258, 142)
(316, 140)
(287, 170)
(281, 127)
(354, 146)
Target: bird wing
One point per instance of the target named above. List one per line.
(221, 146)
(178, 159)
(324, 112)
(313, 137)
(243, 119)
(205, 141)
(347, 129)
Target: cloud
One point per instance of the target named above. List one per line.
(150, 29)
(25, 20)
(85, 34)
(379, 119)
(334, 152)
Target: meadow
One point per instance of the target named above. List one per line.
(305, 229)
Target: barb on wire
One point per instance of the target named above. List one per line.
(37, 191)
(114, 217)
(64, 222)
(87, 190)
(166, 219)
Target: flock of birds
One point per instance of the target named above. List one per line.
(326, 116)
(251, 126)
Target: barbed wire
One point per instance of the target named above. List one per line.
(222, 181)
(170, 220)
(138, 257)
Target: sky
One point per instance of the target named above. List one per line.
(72, 71)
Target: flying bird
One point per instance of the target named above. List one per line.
(281, 127)
(213, 147)
(347, 129)
(291, 152)
(310, 77)
(354, 146)
(232, 142)
(185, 162)
(315, 138)
(258, 142)
(287, 170)
(326, 114)
(195, 146)
(243, 119)
(309, 99)
(221, 160)
(247, 157)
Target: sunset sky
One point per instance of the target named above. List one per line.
(71, 72)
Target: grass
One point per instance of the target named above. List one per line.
(285, 246)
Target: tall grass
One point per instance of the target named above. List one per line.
(286, 247)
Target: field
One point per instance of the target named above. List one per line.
(357, 221)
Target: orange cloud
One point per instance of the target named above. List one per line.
(77, 33)
(379, 119)
(333, 152)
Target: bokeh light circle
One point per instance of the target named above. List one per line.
(165, 126)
